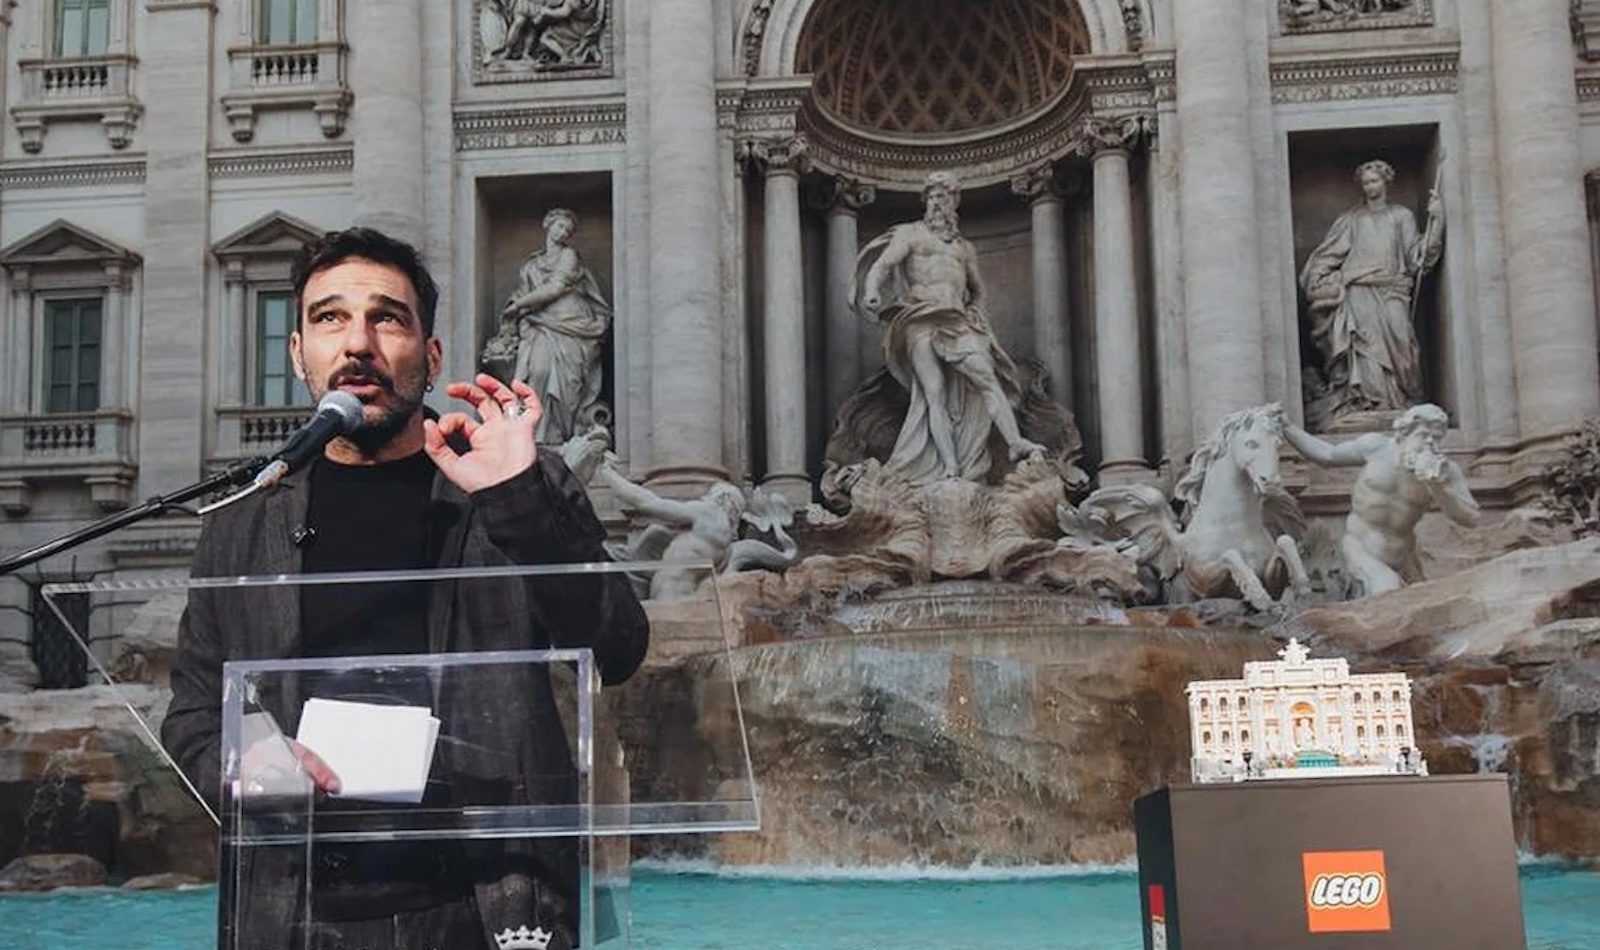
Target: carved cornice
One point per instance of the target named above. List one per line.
(159, 6)
(1388, 76)
(1588, 78)
(63, 175)
(322, 161)
(598, 122)
(764, 107)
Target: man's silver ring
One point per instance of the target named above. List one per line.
(515, 409)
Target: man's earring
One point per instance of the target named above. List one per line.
(429, 387)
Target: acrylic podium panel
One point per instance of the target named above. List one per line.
(531, 762)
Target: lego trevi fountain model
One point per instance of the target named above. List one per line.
(1302, 718)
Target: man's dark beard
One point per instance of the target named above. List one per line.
(370, 438)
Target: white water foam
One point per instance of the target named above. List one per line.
(906, 871)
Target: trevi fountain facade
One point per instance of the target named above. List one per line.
(1015, 362)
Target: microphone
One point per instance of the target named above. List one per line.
(339, 413)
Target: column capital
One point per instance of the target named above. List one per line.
(1123, 133)
(774, 155)
(1043, 182)
(842, 195)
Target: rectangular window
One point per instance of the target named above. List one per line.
(286, 22)
(72, 355)
(276, 384)
(83, 27)
(61, 661)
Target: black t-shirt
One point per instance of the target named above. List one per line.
(372, 518)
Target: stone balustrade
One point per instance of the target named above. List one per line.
(92, 447)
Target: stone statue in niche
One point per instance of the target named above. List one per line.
(1362, 283)
(1402, 476)
(550, 34)
(551, 331)
(937, 344)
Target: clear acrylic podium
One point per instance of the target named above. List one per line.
(454, 768)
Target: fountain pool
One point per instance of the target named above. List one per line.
(688, 908)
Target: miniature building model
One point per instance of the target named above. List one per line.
(1302, 718)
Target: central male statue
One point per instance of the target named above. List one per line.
(938, 345)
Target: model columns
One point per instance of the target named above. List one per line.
(1116, 302)
(783, 317)
(1549, 276)
(847, 362)
(1050, 336)
(685, 240)
(1222, 281)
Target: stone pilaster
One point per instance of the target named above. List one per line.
(175, 74)
(1116, 305)
(783, 317)
(1548, 272)
(1041, 189)
(846, 360)
(1221, 264)
(386, 119)
(684, 239)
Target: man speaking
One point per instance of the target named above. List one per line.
(403, 491)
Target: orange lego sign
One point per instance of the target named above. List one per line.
(1346, 891)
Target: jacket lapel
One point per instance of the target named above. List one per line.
(286, 509)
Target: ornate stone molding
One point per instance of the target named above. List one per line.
(1133, 24)
(767, 107)
(1113, 86)
(1114, 133)
(75, 174)
(755, 29)
(598, 122)
(300, 162)
(1388, 76)
(1038, 183)
(773, 154)
(584, 50)
(1588, 78)
(1586, 30)
(1327, 16)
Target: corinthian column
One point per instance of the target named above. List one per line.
(1222, 280)
(783, 324)
(846, 361)
(1050, 336)
(1548, 272)
(1116, 306)
(386, 120)
(685, 261)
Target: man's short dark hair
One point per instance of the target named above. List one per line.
(336, 247)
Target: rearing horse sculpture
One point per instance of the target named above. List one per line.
(1237, 536)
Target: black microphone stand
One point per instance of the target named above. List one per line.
(239, 473)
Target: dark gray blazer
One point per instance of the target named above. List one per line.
(540, 517)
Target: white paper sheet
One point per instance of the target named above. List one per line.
(380, 753)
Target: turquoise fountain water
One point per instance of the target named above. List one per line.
(694, 909)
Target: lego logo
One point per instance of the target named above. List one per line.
(1346, 890)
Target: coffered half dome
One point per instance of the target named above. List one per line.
(938, 67)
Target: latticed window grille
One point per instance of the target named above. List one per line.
(61, 662)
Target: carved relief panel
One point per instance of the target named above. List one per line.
(532, 40)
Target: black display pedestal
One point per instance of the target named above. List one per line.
(1379, 863)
